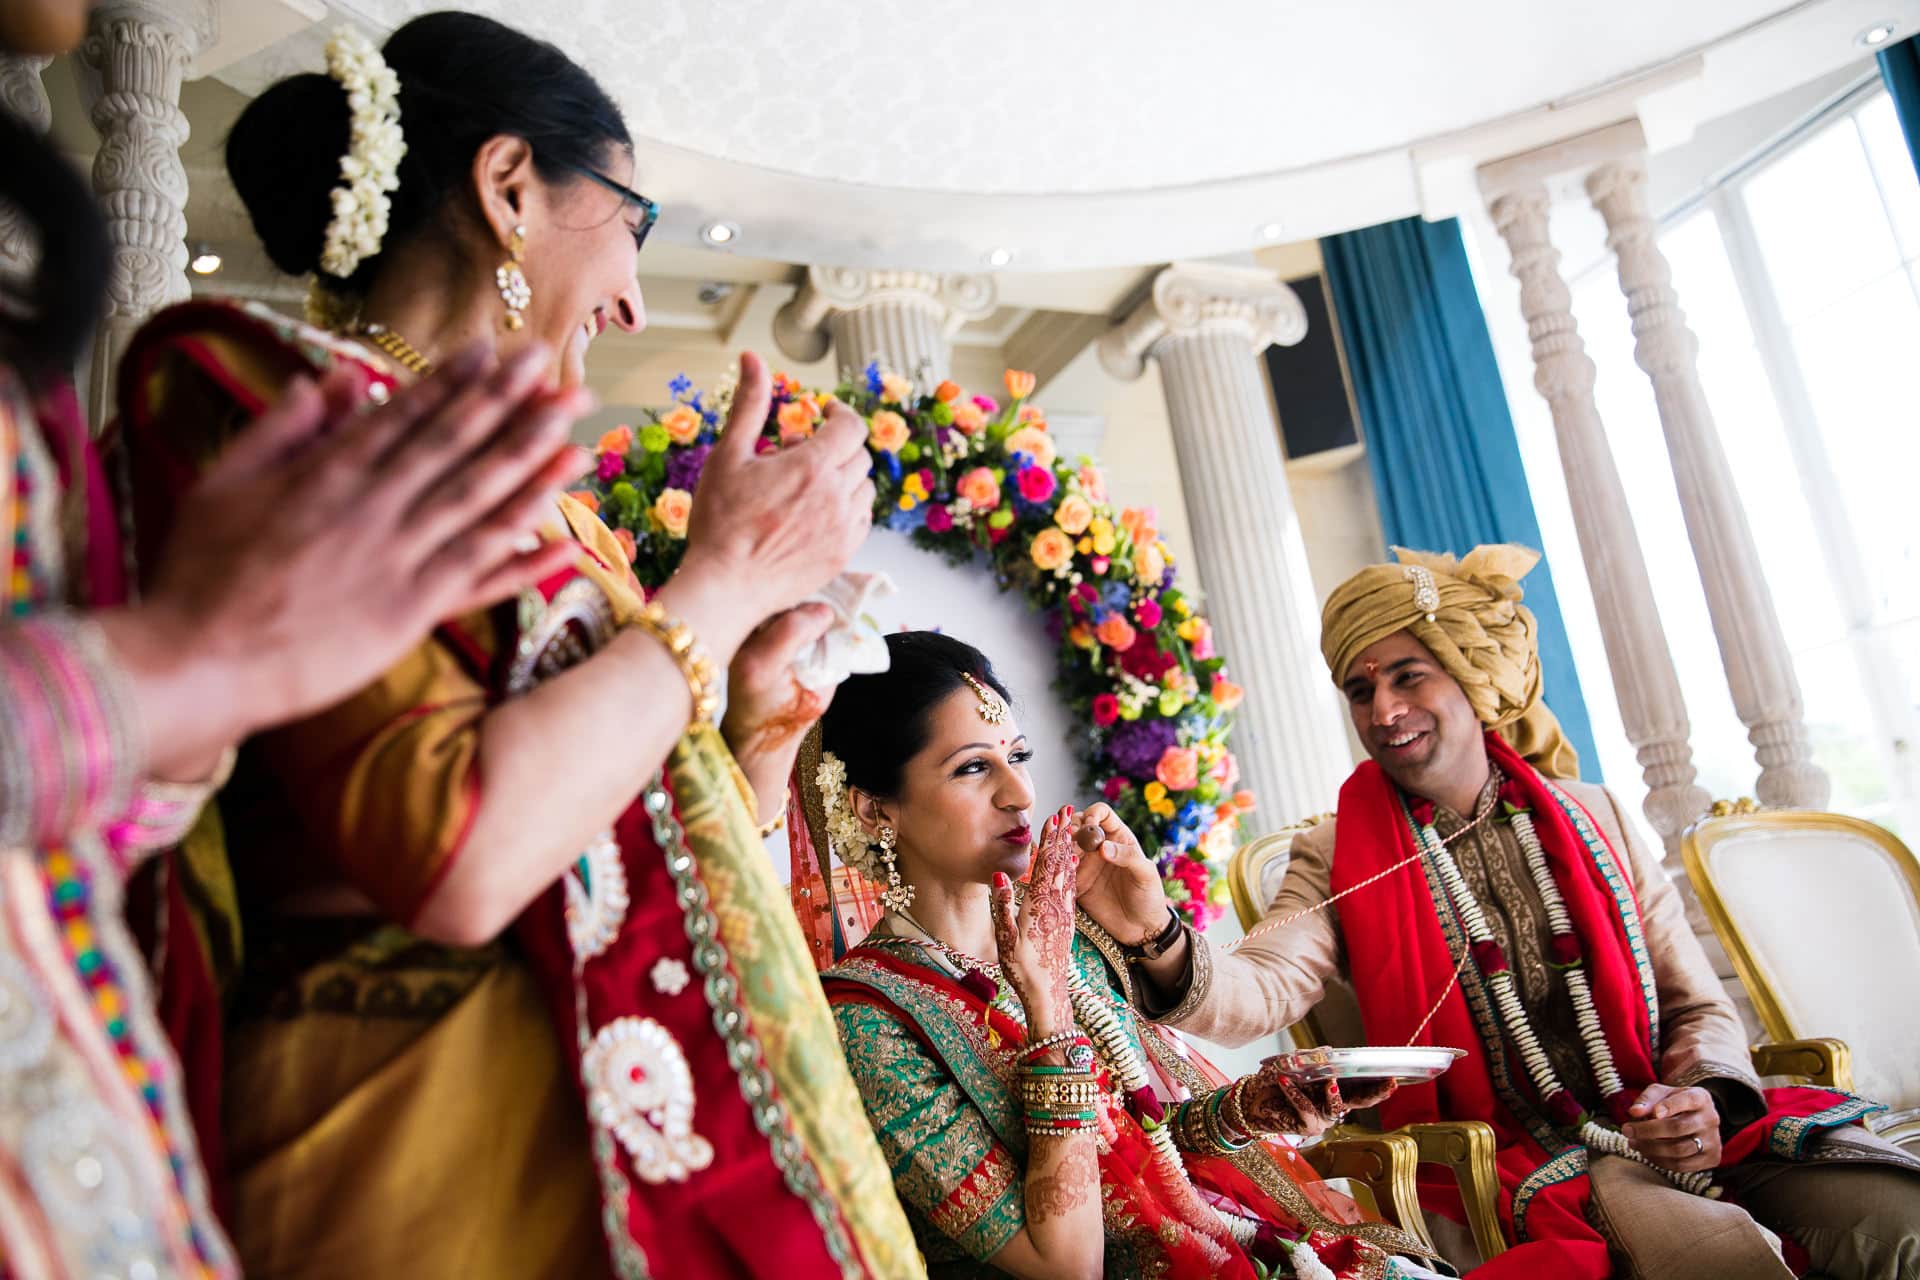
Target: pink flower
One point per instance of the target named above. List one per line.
(1203, 643)
(1113, 788)
(611, 465)
(1036, 484)
(764, 445)
(1147, 614)
(939, 520)
(980, 489)
(1179, 769)
(1093, 483)
(1106, 709)
(987, 404)
(1225, 769)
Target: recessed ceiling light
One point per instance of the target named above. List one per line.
(1271, 231)
(719, 233)
(999, 258)
(205, 261)
(1876, 35)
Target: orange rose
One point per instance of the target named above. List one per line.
(1073, 514)
(1034, 442)
(585, 498)
(625, 538)
(1139, 523)
(618, 440)
(1116, 632)
(1032, 413)
(980, 489)
(1179, 769)
(671, 509)
(682, 424)
(895, 389)
(796, 421)
(1227, 694)
(1244, 801)
(887, 431)
(968, 417)
(1149, 564)
(1051, 549)
(1019, 385)
(947, 392)
(1093, 482)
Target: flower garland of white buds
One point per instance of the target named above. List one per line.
(1519, 1026)
(371, 167)
(845, 835)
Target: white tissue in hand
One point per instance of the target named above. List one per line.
(853, 644)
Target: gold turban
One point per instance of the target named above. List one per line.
(1468, 613)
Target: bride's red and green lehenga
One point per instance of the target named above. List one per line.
(642, 1078)
(935, 1063)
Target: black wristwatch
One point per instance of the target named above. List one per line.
(1160, 943)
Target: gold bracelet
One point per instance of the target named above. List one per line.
(688, 652)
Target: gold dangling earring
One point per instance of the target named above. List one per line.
(898, 895)
(512, 281)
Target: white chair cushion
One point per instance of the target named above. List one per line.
(1833, 924)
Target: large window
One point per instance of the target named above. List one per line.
(1801, 277)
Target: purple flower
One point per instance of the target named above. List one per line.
(1135, 746)
(684, 465)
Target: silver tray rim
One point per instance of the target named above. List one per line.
(1402, 1062)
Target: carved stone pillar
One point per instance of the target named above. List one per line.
(903, 319)
(1753, 648)
(25, 97)
(1644, 680)
(134, 58)
(1206, 325)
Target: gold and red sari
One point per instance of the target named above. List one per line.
(641, 1079)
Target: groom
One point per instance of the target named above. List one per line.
(1466, 843)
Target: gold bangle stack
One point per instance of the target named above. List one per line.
(1058, 1100)
(689, 653)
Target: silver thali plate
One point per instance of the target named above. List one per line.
(1409, 1064)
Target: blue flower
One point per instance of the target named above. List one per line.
(907, 521)
(874, 385)
(892, 465)
(680, 385)
(1117, 596)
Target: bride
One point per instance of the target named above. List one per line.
(1034, 1127)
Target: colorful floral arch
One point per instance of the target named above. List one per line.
(977, 481)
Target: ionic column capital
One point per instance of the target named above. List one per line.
(1250, 304)
(801, 327)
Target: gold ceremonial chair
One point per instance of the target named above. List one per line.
(1820, 914)
(1383, 1162)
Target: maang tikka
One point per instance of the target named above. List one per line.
(898, 895)
(993, 708)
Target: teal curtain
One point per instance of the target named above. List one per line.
(1900, 68)
(1440, 442)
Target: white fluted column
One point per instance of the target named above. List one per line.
(1753, 648)
(1652, 708)
(133, 60)
(23, 95)
(1206, 325)
(903, 319)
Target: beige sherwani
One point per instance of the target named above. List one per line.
(1277, 977)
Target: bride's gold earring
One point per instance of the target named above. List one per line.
(898, 895)
(512, 281)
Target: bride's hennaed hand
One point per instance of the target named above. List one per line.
(1035, 936)
(767, 707)
(1117, 885)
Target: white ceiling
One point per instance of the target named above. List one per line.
(1080, 133)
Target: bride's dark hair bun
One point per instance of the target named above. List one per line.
(876, 723)
(463, 79)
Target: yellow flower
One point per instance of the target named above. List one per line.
(887, 431)
(1051, 549)
(914, 485)
(1073, 514)
(1190, 629)
(682, 424)
(1034, 442)
(1102, 531)
(1155, 791)
(671, 509)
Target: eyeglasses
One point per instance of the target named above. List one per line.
(649, 211)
